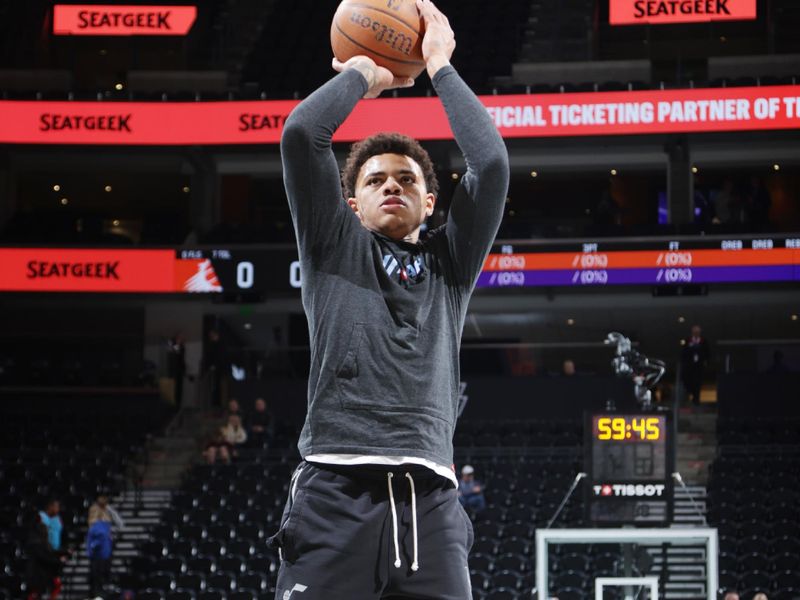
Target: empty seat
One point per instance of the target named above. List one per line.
(254, 582)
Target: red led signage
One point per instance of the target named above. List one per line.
(656, 12)
(521, 116)
(97, 19)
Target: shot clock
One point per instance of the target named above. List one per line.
(629, 461)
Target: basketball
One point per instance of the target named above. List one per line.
(388, 31)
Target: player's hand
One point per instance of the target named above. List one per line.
(379, 78)
(439, 41)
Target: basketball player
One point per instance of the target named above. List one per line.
(373, 510)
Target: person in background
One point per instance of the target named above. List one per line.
(99, 545)
(99, 542)
(101, 510)
(176, 365)
(778, 367)
(760, 596)
(731, 596)
(261, 423)
(470, 491)
(568, 368)
(694, 358)
(234, 409)
(49, 516)
(213, 366)
(758, 203)
(44, 563)
(233, 433)
(217, 450)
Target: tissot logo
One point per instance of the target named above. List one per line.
(58, 122)
(256, 122)
(79, 270)
(629, 490)
(147, 20)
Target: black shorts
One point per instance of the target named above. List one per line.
(337, 535)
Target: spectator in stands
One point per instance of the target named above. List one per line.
(568, 368)
(213, 366)
(234, 409)
(704, 213)
(49, 516)
(758, 203)
(760, 596)
(176, 365)
(731, 596)
(470, 491)
(217, 450)
(607, 212)
(694, 358)
(99, 546)
(778, 367)
(725, 204)
(101, 510)
(44, 563)
(233, 433)
(261, 422)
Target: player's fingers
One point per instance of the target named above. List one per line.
(402, 82)
(337, 65)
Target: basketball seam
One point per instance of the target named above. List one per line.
(383, 11)
(360, 45)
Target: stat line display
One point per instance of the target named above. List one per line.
(276, 269)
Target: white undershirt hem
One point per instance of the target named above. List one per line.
(393, 461)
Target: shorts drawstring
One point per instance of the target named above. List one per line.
(415, 564)
(397, 563)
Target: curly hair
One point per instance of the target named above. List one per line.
(387, 143)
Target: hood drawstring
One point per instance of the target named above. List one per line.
(415, 564)
(397, 563)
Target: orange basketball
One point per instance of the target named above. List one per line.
(388, 31)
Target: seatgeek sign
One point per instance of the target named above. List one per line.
(114, 20)
(516, 116)
(660, 12)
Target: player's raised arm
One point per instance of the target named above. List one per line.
(477, 206)
(310, 171)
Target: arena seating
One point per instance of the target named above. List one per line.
(753, 493)
(65, 454)
(212, 541)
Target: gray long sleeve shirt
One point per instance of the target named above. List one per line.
(384, 377)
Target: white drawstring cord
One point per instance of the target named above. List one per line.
(415, 564)
(397, 562)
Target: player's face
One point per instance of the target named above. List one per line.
(391, 196)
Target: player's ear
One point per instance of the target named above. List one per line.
(353, 203)
(430, 202)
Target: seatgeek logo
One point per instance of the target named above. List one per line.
(629, 490)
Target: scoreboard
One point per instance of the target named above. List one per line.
(629, 462)
(276, 269)
(644, 262)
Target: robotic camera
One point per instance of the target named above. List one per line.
(645, 372)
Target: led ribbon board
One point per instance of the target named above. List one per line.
(277, 271)
(664, 12)
(120, 20)
(516, 116)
